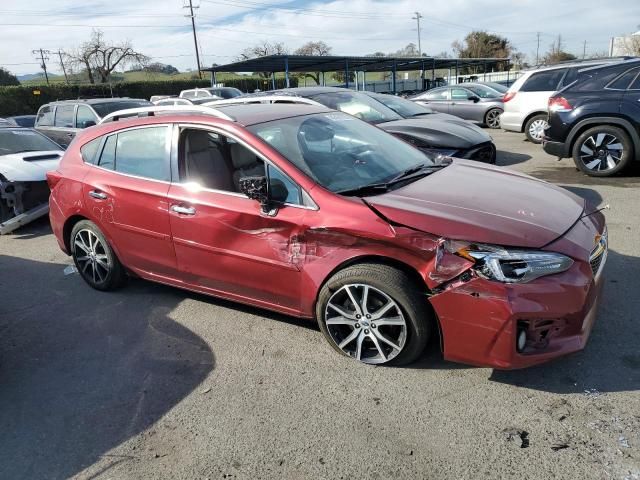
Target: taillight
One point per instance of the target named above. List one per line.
(508, 96)
(53, 177)
(559, 104)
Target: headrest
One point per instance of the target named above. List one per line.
(315, 130)
(241, 157)
(198, 141)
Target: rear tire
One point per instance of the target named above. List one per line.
(375, 314)
(492, 118)
(534, 128)
(94, 258)
(603, 151)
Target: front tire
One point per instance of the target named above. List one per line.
(375, 314)
(603, 151)
(534, 128)
(94, 258)
(492, 118)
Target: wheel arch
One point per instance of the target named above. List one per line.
(590, 122)
(68, 227)
(529, 117)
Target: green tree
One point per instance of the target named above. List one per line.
(480, 44)
(8, 78)
(263, 49)
(557, 53)
(320, 49)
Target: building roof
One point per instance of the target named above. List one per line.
(333, 63)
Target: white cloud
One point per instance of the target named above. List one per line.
(224, 30)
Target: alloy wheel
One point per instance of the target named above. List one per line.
(493, 118)
(536, 129)
(601, 152)
(91, 256)
(365, 323)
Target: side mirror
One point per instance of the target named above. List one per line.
(255, 188)
(474, 98)
(88, 123)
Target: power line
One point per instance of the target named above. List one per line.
(64, 70)
(195, 39)
(44, 55)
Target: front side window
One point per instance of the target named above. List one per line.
(338, 151)
(45, 117)
(84, 116)
(359, 105)
(482, 91)
(143, 152)
(460, 94)
(64, 116)
(544, 81)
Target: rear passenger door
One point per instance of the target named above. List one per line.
(438, 100)
(126, 195)
(631, 102)
(64, 121)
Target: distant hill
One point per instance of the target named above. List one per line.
(38, 78)
(34, 76)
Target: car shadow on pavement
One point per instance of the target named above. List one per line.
(83, 371)
(564, 171)
(505, 158)
(610, 361)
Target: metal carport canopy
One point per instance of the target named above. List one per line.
(334, 63)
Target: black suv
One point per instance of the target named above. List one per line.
(596, 119)
(60, 121)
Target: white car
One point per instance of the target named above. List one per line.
(525, 103)
(215, 92)
(25, 158)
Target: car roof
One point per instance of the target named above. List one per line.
(254, 113)
(595, 62)
(308, 91)
(96, 101)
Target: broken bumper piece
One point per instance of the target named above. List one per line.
(22, 203)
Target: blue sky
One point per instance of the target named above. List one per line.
(160, 29)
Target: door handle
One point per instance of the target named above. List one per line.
(70, 135)
(182, 210)
(97, 194)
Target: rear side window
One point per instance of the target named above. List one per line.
(108, 156)
(143, 153)
(437, 95)
(544, 81)
(89, 151)
(64, 116)
(45, 116)
(624, 80)
(190, 94)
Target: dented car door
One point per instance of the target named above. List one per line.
(225, 243)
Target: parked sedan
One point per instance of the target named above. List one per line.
(473, 102)
(311, 212)
(434, 134)
(27, 121)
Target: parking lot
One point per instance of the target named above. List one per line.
(155, 382)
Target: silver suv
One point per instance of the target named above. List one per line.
(60, 121)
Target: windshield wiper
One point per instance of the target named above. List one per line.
(421, 170)
(370, 189)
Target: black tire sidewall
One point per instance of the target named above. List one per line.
(620, 134)
(528, 125)
(400, 288)
(114, 277)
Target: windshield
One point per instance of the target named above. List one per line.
(104, 109)
(404, 108)
(359, 105)
(227, 92)
(23, 140)
(338, 151)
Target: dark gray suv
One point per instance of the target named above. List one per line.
(60, 121)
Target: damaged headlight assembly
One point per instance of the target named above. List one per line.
(509, 265)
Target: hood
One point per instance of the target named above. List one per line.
(439, 130)
(29, 166)
(484, 204)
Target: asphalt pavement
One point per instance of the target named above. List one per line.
(155, 382)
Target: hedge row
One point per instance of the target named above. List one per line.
(21, 100)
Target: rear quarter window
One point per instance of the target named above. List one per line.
(45, 116)
(89, 151)
(591, 80)
(548, 81)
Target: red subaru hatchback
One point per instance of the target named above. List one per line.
(317, 214)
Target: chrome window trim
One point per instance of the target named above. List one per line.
(258, 154)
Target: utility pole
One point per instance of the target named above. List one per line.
(193, 26)
(538, 49)
(44, 55)
(417, 18)
(64, 70)
(584, 50)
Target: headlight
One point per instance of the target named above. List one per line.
(439, 153)
(510, 266)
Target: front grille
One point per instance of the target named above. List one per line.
(484, 153)
(599, 253)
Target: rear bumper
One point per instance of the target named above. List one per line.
(480, 320)
(557, 149)
(511, 121)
